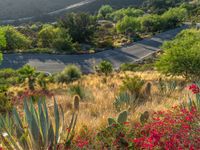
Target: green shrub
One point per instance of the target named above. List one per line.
(173, 17)
(128, 24)
(77, 90)
(5, 103)
(69, 74)
(105, 67)
(104, 11)
(181, 56)
(54, 37)
(129, 67)
(151, 23)
(2, 39)
(132, 85)
(15, 40)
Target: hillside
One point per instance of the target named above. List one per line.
(10, 9)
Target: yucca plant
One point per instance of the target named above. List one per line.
(36, 130)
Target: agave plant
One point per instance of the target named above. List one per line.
(35, 131)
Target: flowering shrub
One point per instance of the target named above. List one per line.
(177, 129)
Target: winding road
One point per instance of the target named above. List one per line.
(55, 63)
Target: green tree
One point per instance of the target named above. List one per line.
(55, 37)
(2, 39)
(121, 13)
(128, 24)
(181, 56)
(104, 11)
(174, 17)
(81, 26)
(14, 39)
(151, 23)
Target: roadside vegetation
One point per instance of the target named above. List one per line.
(88, 33)
(135, 107)
(151, 104)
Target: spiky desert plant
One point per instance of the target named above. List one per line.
(122, 117)
(71, 128)
(36, 130)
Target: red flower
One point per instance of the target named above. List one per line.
(194, 88)
(81, 143)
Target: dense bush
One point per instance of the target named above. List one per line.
(81, 26)
(69, 74)
(54, 37)
(128, 24)
(2, 39)
(14, 39)
(151, 23)
(105, 67)
(132, 85)
(129, 67)
(121, 13)
(173, 17)
(181, 55)
(104, 11)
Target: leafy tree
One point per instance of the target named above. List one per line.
(121, 13)
(55, 37)
(160, 6)
(174, 17)
(2, 39)
(151, 23)
(128, 24)
(15, 39)
(181, 56)
(81, 26)
(104, 11)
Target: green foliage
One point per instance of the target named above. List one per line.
(181, 55)
(105, 67)
(125, 101)
(104, 11)
(121, 13)
(160, 6)
(14, 39)
(122, 117)
(69, 74)
(151, 23)
(54, 37)
(2, 39)
(77, 90)
(5, 103)
(81, 26)
(173, 17)
(28, 72)
(132, 85)
(128, 24)
(42, 132)
(129, 67)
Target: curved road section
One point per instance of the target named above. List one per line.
(55, 63)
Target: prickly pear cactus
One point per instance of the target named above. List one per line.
(111, 121)
(122, 117)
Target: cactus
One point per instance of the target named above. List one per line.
(122, 117)
(144, 117)
(38, 132)
(71, 128)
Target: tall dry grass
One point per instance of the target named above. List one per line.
(95, 109)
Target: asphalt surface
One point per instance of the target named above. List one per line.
(55, 63)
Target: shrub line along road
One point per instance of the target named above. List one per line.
(55, 63)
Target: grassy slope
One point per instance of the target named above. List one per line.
(98, 104)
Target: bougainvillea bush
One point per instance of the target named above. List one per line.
(174, 129)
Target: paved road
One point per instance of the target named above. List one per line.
(55, 63)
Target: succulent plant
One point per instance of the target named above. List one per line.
(36, 130)
(122, 117)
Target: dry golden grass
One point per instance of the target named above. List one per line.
(95, 110)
